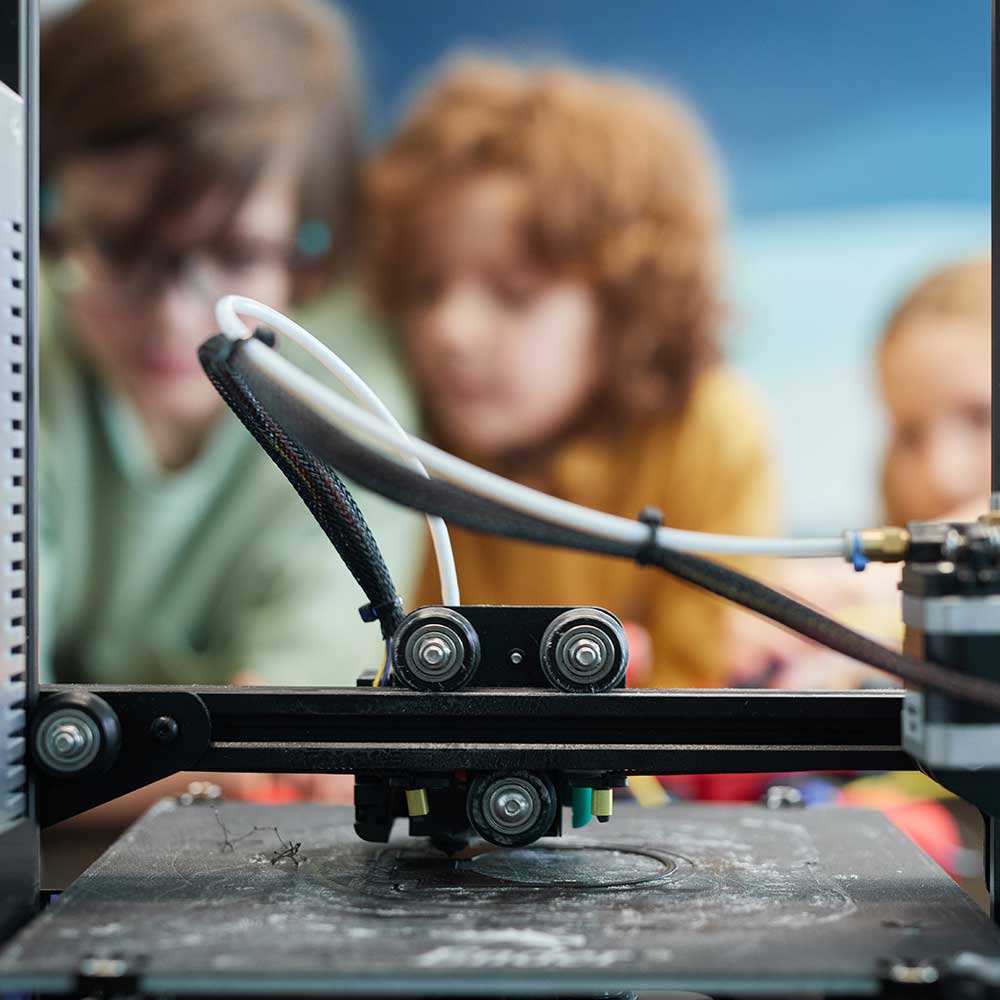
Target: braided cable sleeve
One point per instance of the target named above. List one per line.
(381, 474)
(317, 483)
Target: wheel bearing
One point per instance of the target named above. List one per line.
(584, 649)
(435, 649)
(512, 810)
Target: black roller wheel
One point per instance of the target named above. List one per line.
(512, 810)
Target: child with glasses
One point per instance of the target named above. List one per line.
(191, 149)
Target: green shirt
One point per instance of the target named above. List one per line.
(196, 575)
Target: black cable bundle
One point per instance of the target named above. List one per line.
(373, 470)
(316, 482)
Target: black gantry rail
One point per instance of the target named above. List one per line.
(389, 731)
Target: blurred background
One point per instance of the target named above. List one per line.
(855, 139)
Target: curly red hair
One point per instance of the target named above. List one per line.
(622, 189)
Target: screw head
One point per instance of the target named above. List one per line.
(67, 740)
(515, 657)
(586, 653)
(432, 651)
(512, 805)
(164, 729)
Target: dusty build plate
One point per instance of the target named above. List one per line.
(717, 899)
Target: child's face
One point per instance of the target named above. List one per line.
(504, 353)
(936, 384)
(140, 313)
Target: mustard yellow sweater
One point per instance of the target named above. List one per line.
(708, 469)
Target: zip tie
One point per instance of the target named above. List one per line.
(374, 612)
(652, 517)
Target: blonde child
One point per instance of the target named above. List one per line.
(933, 368)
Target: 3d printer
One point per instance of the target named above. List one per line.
(486, 721)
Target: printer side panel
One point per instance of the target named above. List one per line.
(19, 851)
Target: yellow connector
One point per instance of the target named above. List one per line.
(416, 802)
(603, 804)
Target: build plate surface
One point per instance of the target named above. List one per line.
(719, 899)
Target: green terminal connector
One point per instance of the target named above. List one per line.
(603, 804)
(416, 802)
(582, 802)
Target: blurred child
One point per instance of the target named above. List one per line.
(547, 243)
(189, 150)
(933, 368)
(177, 171)
(935, 379)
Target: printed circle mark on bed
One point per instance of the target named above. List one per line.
(581, 868)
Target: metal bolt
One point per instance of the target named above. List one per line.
(586, 653)
(67, 741)
(583, 654)
(513, 805)
(434, 652)
(164, 729)
(516, 657)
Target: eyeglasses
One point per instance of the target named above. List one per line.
(138, 275)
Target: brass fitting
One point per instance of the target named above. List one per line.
(416, 802)
(885, 544)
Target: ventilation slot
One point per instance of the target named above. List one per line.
(13, 421)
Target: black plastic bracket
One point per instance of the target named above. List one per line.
(151, 748)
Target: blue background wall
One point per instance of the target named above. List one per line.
(855, 135)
